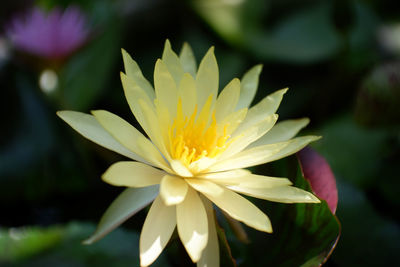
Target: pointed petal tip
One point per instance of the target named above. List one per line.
(267, 227)
(95, 112)
(236, 80)
(316, 137)
(144, 261)
(60, 113)
(125, 57)
(210, 52)
(88, 241)
(311, 198)
(258, 68)
(105, 177)
(158, 62)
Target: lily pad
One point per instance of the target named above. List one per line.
(303, 233)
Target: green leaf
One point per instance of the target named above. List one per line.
(303, 233)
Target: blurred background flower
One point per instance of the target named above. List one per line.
(339, 58)
(53, 35)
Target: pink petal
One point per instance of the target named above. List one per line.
(318, 172)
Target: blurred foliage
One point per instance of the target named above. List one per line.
(378, 98)
(61, 246)
(340, 59)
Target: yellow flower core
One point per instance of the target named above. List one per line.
(192, 138)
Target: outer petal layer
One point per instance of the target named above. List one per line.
(133, 71)
(263, 154)
(241, 209)
(173, 190)
(210, 255)
(282, 131)
(124, 206)
(284, 194)
(132, 174)
(88, 126)
(192, 224)
(250, 180)
(131, 138)
(156, 232)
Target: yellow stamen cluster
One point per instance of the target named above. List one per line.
(192, 138)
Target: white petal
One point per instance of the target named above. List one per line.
(134, 94)
(263, 154)
(132, 174)
(210, 255)
(249, 136)
(284, 194)
(156, 232)
(241, 209)
(232, 121)
(282, 131)
(261, 110)
(225, 174)
(133, 71)
(180, 169)
(166, 88)
(245, 178)
(164, 120)
(207, 78)
(187, 94)
(192, 224)
(172, 62)
(261, 181)
(227, 100)
(154, 130)
(131, 138)
(173, 190)
(199, 165)
(89, 127)
(205, 186)
(249, 84)
(188, 60)
(129, 202)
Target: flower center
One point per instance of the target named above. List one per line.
(192, 138)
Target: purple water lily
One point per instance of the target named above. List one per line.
(52, 35)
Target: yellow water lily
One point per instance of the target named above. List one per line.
(197, 146)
